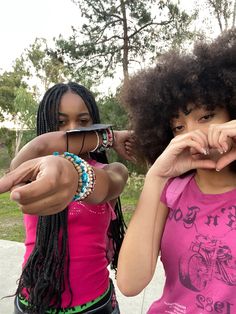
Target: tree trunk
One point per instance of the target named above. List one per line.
(126, 42)
(19, 135)
(234, 14)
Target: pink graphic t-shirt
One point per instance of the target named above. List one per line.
(198, 251)
(89, 248)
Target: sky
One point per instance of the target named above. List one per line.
(21, 21)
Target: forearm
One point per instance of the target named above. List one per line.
(48, 143)
(110, 182)
(140, 248)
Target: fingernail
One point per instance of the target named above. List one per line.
(217, 170)
(15, 196)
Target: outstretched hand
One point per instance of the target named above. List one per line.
(41, 186)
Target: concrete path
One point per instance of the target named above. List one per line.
(11, 256)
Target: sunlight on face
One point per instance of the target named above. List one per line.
(199, 118)
(73, 112)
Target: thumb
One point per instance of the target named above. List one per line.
(225, 160)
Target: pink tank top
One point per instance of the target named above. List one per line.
(89, 248)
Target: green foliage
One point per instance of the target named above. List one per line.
(121, 33)
(7, 138)
(9, 82)
(224, 11)
(25, 109)
(111, 112)
(45, 64)
(7, 144)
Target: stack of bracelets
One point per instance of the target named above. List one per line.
(86, 182)
(107, 140)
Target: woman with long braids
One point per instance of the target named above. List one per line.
(68, 251)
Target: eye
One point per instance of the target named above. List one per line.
(61, 122)
(177, 128)
(207, 117)
(84, 122)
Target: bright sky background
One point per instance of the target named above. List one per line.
(21, 21)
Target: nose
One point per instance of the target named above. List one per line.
(190, 127)
(193, 126)
(72, 125)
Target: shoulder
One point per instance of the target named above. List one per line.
(174, 189)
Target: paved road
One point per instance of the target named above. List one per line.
(11, 255)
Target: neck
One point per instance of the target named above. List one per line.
(213, 182)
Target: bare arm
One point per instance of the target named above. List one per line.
(140, 249)
(48, 143)
(110, 182)
(78, 143)
(53, 183)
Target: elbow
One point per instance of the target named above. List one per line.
(127, 288)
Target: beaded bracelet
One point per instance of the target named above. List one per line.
(86, 182)
(107, 139)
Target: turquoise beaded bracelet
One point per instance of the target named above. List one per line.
(86, 182)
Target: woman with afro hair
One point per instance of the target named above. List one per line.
(183, 113)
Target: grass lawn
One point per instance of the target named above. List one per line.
(11, 218)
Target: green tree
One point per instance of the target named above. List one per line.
(17, 105)
(119, 34)
(45, 64)
(112, 113)
(224, 11)
(221, 12)
(9, 82)
(25, 115)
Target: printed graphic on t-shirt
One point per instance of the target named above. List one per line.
(207, 259)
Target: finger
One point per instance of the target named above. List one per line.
(46, 206)
(190, 143)
(13, 179)
(53, 174)
(33, 191)
(214, 136)
(225, 142)
(226, 159)
(195, 139)
(203, 164)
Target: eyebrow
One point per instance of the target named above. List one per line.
(187, 111)
(82, 114)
